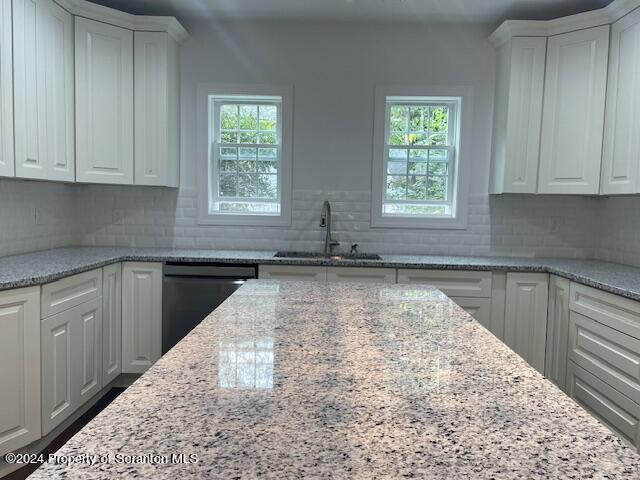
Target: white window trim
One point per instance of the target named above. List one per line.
(204, 143)
(460, 182)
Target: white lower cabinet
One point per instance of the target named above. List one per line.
(366, 275)
(293, 272)
(525, 328)
(111, 322)
(141, 315)
(557, 331)
(71, 361)
(19, 368)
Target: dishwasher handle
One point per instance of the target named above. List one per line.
(226, 271)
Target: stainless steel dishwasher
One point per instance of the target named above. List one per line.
(191, 291)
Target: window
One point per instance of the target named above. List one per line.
(416, 175)
(247, 173)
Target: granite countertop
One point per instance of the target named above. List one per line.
(299, 379)
(48, 265)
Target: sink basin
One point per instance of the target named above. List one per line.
(345, 256)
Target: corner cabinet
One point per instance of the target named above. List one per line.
(19, 368)
(7, 168)
(141, 315)
(621, 153)
(573, 112)
(557, 331)
(104, 102)
(525, 328)
(157, 105)
(43, 91)
(517, 115)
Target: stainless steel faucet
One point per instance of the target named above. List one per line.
(325, 222)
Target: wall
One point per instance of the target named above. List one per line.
(56, 211)
(619, 230)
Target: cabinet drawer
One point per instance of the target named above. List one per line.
(617, 312)
(610, 406)
(367, 275)
(293, 272)
(452, 283)
(608, 354)
(71, 291)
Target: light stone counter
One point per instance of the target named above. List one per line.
(295, 379)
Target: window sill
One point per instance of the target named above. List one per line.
(245, 220)
(432, 223)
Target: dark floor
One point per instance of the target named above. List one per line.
(64, 437)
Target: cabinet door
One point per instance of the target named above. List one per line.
(19, 368)
(621, 153)
(88, 354)
(525, 328)
(573, 112)
(44, 90)
(367, 275)
(156, 109)
(524, 113)
(557, 331)
(141, 315)
(104, 103)
(293, 272)
(478, 308)
(6, 91)
(58, 401)
(111, 323)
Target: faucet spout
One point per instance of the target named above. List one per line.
(325, 222)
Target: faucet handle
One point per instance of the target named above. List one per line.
(354, 248)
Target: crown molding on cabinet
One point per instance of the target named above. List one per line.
(146, 23)
(546, 28)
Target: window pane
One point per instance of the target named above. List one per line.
(267, 138)
(229, 117)
(228, 153)
(227, 185)
(247, 153)
(419, 168)
(248, 137)
(267, 167)
(267, 186)
(227, 165)
(398, 139)
(417, 117)
(396, 187)
(398, 119)
(397, 163)
(246, 166)
(437, 168)
(417, 138)
(248, 117)
(268, 118)
(438, 139)
(268, 153)
(417, 187)
(438, 155)
(246, 185)
(437, 188)
(228, 137)
(439, 119)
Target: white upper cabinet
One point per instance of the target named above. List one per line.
(43, 90)
(621, 154)
(104, 103)
(6, 91)
(517, 117)
(157, 125)
(573, 112)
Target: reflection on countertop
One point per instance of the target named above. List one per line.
(297, 379)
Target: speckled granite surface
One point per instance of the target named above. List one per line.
(319, 380)
(49, 265)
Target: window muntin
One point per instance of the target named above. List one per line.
(246, 159)
(419, 177)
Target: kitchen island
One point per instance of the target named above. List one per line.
(296, 379)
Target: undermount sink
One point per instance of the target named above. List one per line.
(344, 256)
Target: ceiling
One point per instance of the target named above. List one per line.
(458, 11)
